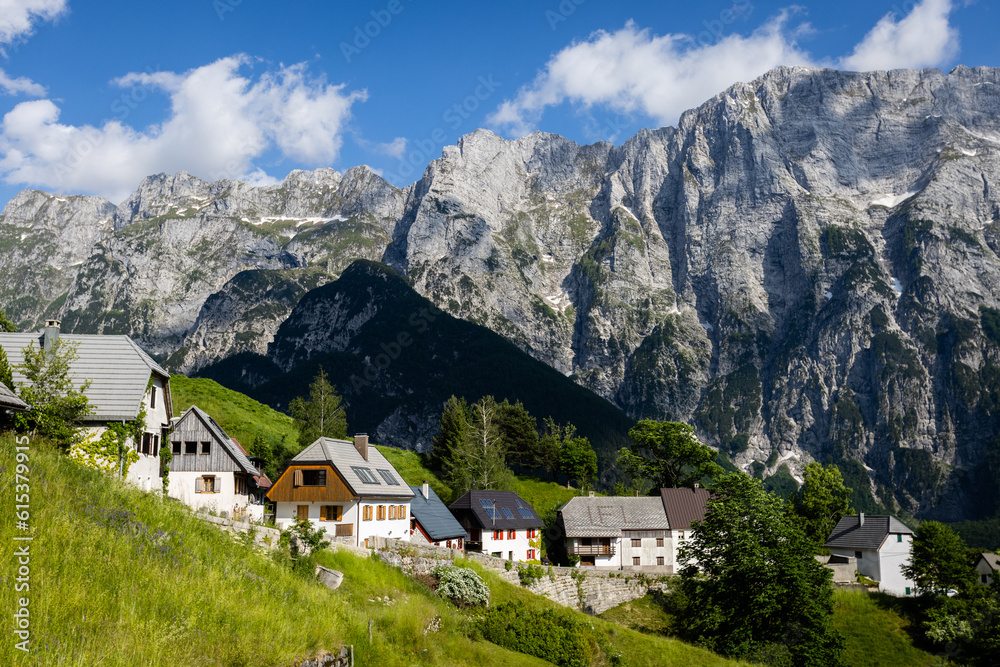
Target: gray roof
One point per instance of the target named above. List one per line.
(220, 435)
(434, 516)
(608, 516)
(850, 533)
(344, 457)
(510, 510)
(117, 368)
(9, 400)
(991, 560)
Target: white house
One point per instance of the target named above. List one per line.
(683, 507)
(499, 523)
(618, 532)
(209, 470)
(986, 568)
(347, 488)
(123, 380)
(881, 544)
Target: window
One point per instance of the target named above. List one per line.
(858, 554)
(659, 541)
(145, 443)
(387, 476)
(392, 512)
(531, 554)
(659, 560)
(152, 397)
(331, 513)
(497, 534)
(982, 578)
(175, 446)
(365, 475)
(310, 478)
(190, 447)
(532, 533)
(507, 513)
(899, 538)
(206, 484)
(680, 534)
(367, 516)
(380, 513)
(636, 542)
(401, 512)
(206, 447)
(907, 590)
(511, 534)
(635, 560)
(156, 445)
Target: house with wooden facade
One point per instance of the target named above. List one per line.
(347, 488)
(431, 522)
(123, 380)
(499, 523)
(619, 532)
(209, 470)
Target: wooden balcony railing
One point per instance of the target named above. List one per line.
(592, 550)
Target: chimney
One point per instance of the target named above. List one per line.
(697, 486)
(861, 519)
(361, 444)
(591, 494)
(50, 334)
(427, 491)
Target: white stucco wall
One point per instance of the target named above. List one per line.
(519, 545)
(893, 555)
(145, 473)
(983, 569)
(647, 552)
(285, 513)
(182, 486)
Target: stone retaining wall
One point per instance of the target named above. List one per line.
(264, 536)
(589, 590)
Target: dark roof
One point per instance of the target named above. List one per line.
(117, 368)
(10, 400)
(684, 506)
(608, 516)
(511, 510)
(851, 534)
(434, 516)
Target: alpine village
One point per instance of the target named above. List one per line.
(725, 392)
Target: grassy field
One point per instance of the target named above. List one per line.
(241, 416)
(876, 634)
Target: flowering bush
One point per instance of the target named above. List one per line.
(462, 586)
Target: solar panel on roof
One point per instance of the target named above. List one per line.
(387, 476)
(491, 511)
(507, 513)
(365, 475)
(525, 513)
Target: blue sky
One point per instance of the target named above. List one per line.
(95, 96)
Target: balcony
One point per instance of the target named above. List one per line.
(592, 550)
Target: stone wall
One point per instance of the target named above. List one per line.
(589, 590)
(263, 537)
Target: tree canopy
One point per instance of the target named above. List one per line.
(753, 588)
(667, 454)
(57, 406)
(821, 502)
(939, 561)
(321, 415)
(477, 460)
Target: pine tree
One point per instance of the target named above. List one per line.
(520, 433)
(479, 461)
(321, 415)
(454, 431)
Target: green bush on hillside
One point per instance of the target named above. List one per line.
(462, 586)
(543, 633)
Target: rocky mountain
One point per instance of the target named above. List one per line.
(806, 268)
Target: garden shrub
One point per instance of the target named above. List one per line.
(546, 634)
(462, 586)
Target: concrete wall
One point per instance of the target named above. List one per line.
(182, 486)
(590, 590)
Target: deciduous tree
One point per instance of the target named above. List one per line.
(668, 454)
(939, 560)
(578, 462)
(321, 415)
(57, 406)
(753, 588)
(821, 501)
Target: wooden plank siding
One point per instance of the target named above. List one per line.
(336, 490)
(193, 429)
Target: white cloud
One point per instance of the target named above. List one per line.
(20, 85)
(634, 71)
(924, 38)
(219, 123)
(395, 148)
(18, 16)
(631, 70)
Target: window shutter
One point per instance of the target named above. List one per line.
(322, 512)
(297, 475)
(199, 485)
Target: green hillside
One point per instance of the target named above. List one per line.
(120, 577)
(241, 416)
(875, 633)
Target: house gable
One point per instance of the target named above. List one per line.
(223, 456)
(335, 489)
